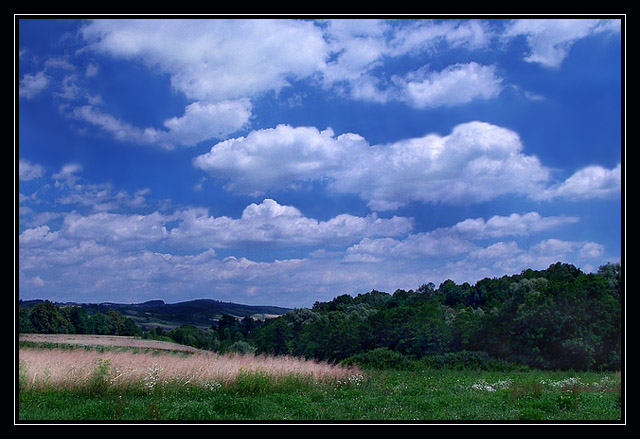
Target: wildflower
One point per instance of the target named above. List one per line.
(152, 378)
(484, 386)
(212, 386)
(562, 384)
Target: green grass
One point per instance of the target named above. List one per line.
(432, 395)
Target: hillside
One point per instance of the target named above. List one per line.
(200, 312)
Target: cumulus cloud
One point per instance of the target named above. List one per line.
(213, 60)
(216, 59)
(588, 183)
(96, 253)
(508, 257)
(456, 84)
(278, 157)
(476, 162)
(91, 242)
(431, 35)
(89, 268)
(200, 122)
(273, 223)
(203, 121)
(461, 238)
(222, 64)
(267, 223)
(37, 236)
(32, 84)
(229, 59)
(67, 175)
(104, 252)
(496, 252)
(364, 45)
(512, 225)
(29, 171)
(550, 40)
(121, 229)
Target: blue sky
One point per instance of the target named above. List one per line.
(287, 161)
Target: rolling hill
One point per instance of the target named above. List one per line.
(200, 312)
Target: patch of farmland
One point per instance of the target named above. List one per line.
(105, 340)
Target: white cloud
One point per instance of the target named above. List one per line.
(200, 122)
(275, 224)
(29, 171)
(203, 121)
(496, 252)
(103, 270)
(213, 60)
(512, 225)
(550, 40)
(216, 59)
(229, 59)
(67, 175)
(158, 254)
(277, 157)
(476, 162)
(120, 130)
(32, 84)
(120, 229)
(37, 236)
(459, 239)
(457, 84)
(363, 45)
(428, 35)
(591, 250)
(58, 63)
(265, 223)
(588, 183)
(508, 258)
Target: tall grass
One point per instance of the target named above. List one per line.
(78, 369)
(81, 384)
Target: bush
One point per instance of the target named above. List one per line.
(468, 360)
(379, 358)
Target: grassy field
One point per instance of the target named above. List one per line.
(123, 385)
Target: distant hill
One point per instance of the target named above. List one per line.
(200, 312)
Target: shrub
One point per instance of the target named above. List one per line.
(468, 360)
(379, 358)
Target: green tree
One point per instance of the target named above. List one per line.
(46, 318)
(24, 321)
(275, 337)
(612, 273)
(78, 318)
(100, 324)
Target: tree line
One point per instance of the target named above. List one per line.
(557, 318)
(48, 318)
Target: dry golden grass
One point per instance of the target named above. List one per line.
(73, 368)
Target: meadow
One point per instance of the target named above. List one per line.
(111, 384)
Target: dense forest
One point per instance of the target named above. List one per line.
(558, 318)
